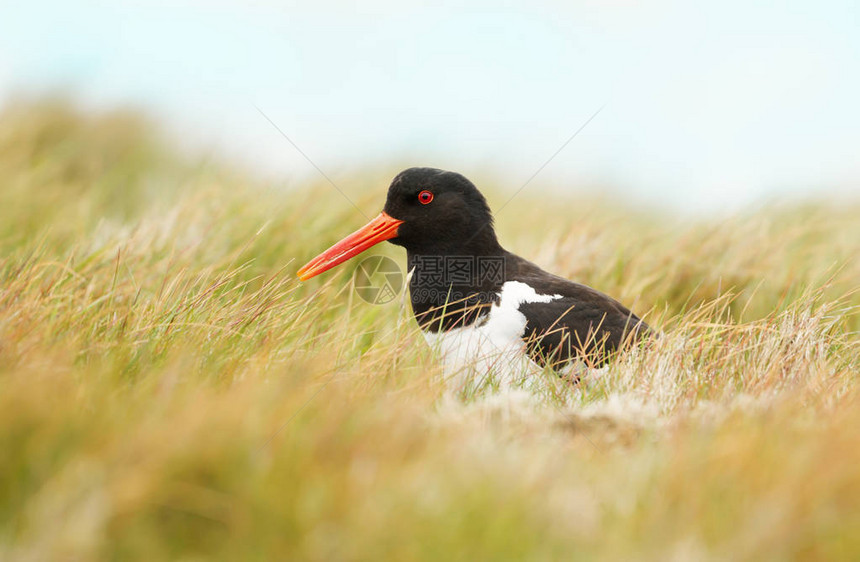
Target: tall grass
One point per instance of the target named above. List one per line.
(169, 390)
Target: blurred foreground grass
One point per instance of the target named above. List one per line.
(168, 390)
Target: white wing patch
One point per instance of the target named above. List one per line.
(493, 345)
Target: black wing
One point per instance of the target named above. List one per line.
(584, 323)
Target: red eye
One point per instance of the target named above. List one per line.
(425, 197)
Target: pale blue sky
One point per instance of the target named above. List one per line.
(706, 106)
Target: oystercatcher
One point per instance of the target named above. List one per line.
(479, 304)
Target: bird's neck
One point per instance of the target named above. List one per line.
(451, 289)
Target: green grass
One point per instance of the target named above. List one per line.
(169, 390)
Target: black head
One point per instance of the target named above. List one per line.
(442, 212)
(429, 212)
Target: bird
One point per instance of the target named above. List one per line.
(485, 309)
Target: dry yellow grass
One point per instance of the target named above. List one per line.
(169, 390)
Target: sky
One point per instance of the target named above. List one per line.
(690, 106)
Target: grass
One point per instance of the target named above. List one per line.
(169, 390)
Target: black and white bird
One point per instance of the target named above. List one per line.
(477, 303)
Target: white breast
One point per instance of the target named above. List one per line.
(492, 348)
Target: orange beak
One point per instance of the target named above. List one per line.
(383, 227)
